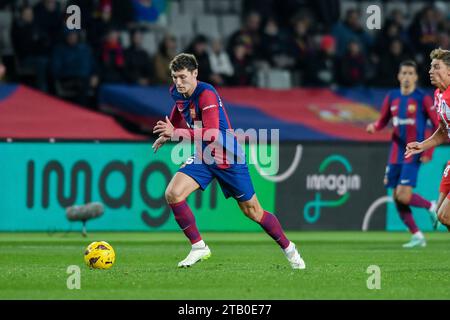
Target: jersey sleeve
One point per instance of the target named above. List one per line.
(431, 112)
(385, 114)
(209, 107)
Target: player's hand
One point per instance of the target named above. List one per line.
(370, 128)
(425, 159)
(413, 148)
(158, 143)
(164, 128)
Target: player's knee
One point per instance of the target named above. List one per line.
(403, 197)
(173, 195)
(443, 217)
(253, 212)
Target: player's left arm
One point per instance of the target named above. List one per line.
(209, 107)
(431, 113)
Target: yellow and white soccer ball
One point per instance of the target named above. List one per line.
(99, 255)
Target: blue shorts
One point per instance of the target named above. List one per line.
(402, 174)
(234, 181)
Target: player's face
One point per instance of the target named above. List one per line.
(185, 80)
(407, 76)
(439, 73)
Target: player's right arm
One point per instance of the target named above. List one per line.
(384, 118)
(438, 137)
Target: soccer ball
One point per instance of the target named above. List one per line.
(99, 255)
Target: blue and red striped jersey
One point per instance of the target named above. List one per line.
(409, 114)
(196, 115)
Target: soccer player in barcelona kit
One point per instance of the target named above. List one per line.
(199, 112)
(409, 108)
(440, 78)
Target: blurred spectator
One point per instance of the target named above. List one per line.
(248, 35)
(112, 63)
(322, 67)
(301, 45)
(351, 30)
(145, 11)
(138, 66)
(424, 31)
(31, 45)
(2, 71)
(167, 50)
(100, 26)
(274, 43)
(353, 66)
(73, 67)
(390, 32)
(48, 17)
(220, 62)
(243, 71)
(389, 62)
(444, 41)
(122, 12)
(199, 48)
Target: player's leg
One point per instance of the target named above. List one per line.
(189, 178)
(235, 182)
(441, 198)
(269, 222)
(408, 181)
(403, 196)
(392, 180)
(179, 188)
(405, 212)
(444, 191)
(444, 212)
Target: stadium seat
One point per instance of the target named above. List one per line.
(346, 5)
(181, 25)
(125, 39)
(415, 7)
(229, 24)
(274, 79)
(149, 42)
(218, 7)
(395, 5)
(5, 27)
(208, 25)
(193, 7)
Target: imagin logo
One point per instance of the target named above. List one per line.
(67, 193)
(339, 183)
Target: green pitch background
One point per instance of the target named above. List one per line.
(242, 266)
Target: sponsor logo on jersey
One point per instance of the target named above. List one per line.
(411, 108)
(396, 121)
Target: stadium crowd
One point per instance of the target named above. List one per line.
(310, 39)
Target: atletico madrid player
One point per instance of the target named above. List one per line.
(440, 78)
(409, 108)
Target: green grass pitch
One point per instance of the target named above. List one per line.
(242, 266)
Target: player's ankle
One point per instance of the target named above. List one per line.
(199, 244)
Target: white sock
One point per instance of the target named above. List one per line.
(290, 247)
(199, 244)
(419, 234)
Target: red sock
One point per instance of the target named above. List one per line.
(272, 226)
(407, 217)
(186, 220)
(418, 201)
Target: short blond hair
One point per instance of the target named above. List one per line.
(441, 54)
